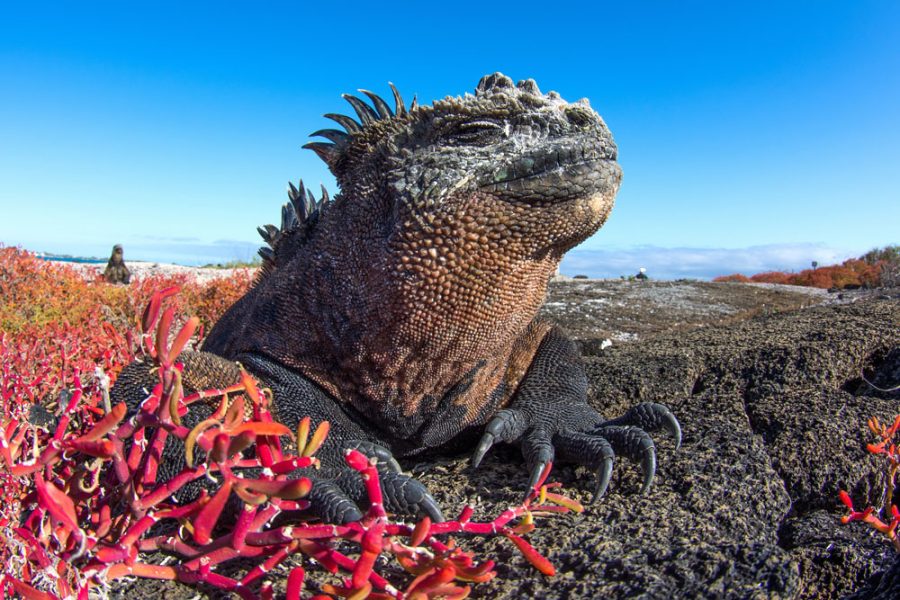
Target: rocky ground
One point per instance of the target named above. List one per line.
(593, 311)
(767, 384)
(774, 413)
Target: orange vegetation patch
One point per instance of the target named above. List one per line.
(851, 273)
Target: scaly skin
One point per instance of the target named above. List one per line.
(404, 311)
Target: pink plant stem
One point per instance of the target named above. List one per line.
(120, 465)
(202, 395)
(169, 544)
(324, 554)
(165, 490)
(491, 527)
(295, 583)
(223, 554)
(270, 563)
(285, 534)
(242, 527)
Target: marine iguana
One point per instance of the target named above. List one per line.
(404, 310)
(116, 271)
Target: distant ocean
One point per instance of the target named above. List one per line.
(73, 259)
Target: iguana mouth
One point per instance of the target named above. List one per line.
(557, 175)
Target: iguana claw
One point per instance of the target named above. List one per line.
(650, 416)
(648, 466)
(604, 474)
(536, 472)
(431, 508)
(403, 494)
(508, 425)
(484, 444)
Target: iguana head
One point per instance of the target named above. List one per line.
(506, 165)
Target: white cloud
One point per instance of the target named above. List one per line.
(700, 263)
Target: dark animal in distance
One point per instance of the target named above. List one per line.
(116, 271)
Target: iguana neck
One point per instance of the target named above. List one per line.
(405, 315)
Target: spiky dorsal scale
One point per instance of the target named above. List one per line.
(300, 216)
(366, 114)
(370, 120)
(384, 111)
(399, 106)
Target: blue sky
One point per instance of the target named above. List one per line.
(752, 135)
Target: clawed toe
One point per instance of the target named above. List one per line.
(332, 504)
(507, 426)
(386, 460)
(592, 451)
(604, 474)
(650, 416)
(428, 506)
(484, 444)
(338, 497)
(634, 443)
(403, 494)
(648, 466)
(538, 451)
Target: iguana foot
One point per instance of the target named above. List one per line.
(576, 433)
(338, 499)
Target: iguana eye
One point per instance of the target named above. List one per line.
(475, 133)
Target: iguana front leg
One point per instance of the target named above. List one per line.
(549, 416)
(338, 491)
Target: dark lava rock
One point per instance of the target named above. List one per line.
(774, 418)
(774, 412)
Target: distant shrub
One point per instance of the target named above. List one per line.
(253, 263)
(771, 277)
(887, 260)
(209, 301)
(888, 254)
(733, 278)
(875, 268)
(35, 293)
